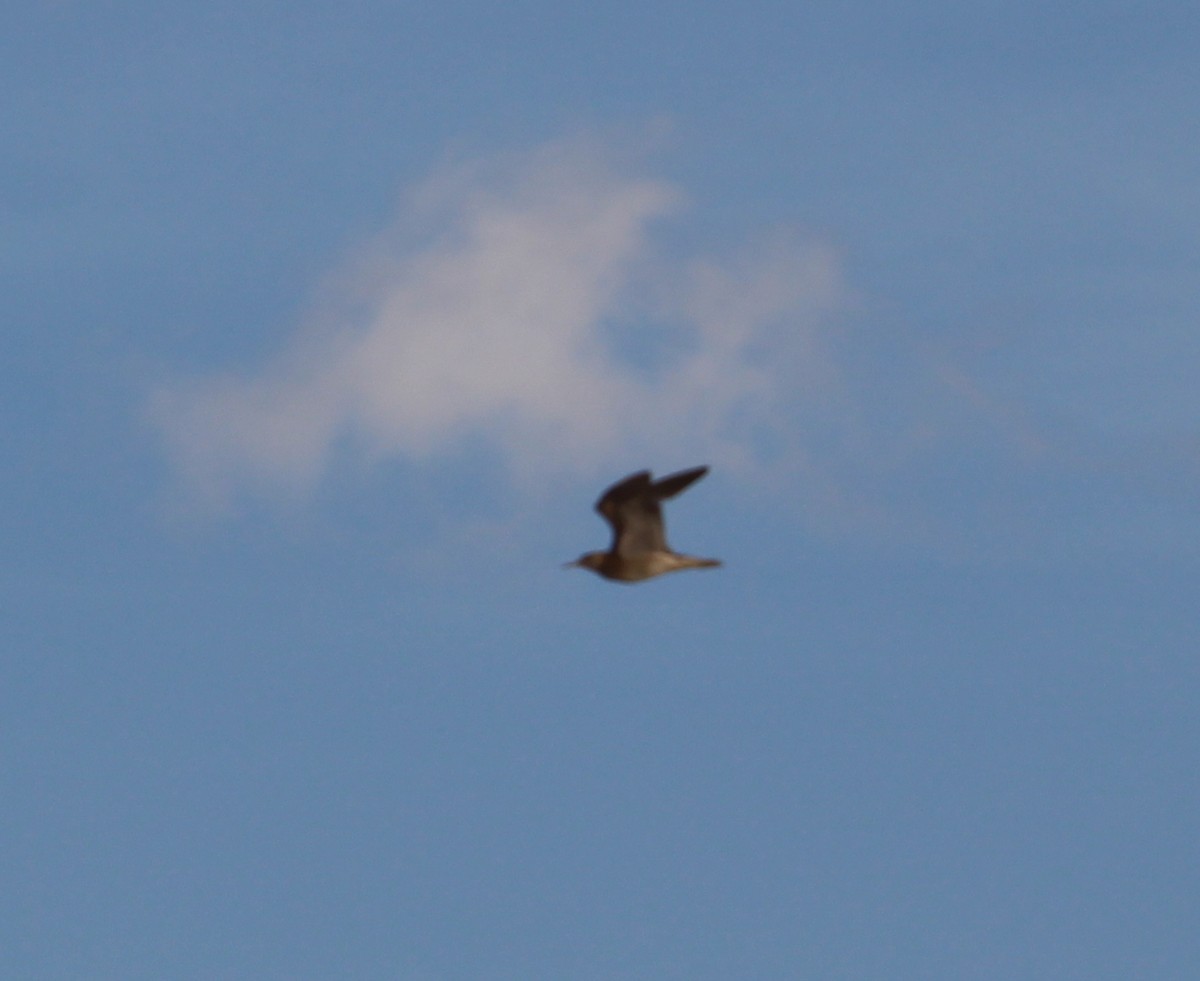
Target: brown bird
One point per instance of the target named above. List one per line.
(639, 547)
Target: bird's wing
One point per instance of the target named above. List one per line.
(621, 491)
(631, 507)
(671, 485)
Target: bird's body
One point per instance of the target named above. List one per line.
(639, 547)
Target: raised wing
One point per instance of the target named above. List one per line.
(631, 507)
(671, 485)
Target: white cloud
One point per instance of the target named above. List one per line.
(534, 314)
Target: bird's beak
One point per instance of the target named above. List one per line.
(571, 565)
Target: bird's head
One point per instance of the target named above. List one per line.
(589, 560)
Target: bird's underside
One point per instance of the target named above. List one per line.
(647, 565)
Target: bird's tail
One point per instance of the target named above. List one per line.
(694, 562)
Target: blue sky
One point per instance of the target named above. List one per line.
(326, 325)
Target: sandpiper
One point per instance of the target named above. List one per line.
(639, 547)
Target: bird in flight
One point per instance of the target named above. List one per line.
(639, 547)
